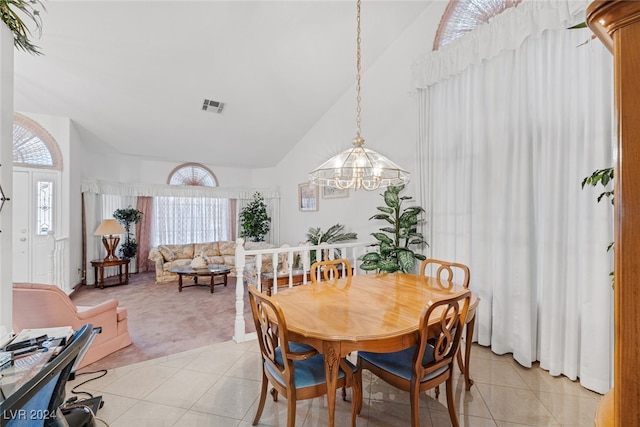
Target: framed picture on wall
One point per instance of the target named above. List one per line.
(307, 197)
(334, 193)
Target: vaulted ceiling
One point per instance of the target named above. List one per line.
(133, 75)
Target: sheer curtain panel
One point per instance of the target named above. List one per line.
(505, 146)
(179, 220)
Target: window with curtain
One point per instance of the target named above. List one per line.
(463, 16)
(179, 220)
(509, 141)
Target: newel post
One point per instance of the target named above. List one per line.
(239, 325)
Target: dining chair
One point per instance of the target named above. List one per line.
(447, 273)
(295, 370)
(330, 270)
(429, 362)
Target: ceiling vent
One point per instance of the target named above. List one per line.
(212, 106)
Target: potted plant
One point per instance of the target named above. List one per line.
(394, 243)
(126, 217)
(334, 234)
(12, 12)
(254, 220)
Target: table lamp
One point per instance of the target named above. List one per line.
(107, 229)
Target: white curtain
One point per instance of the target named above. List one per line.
(179, 220)
(98, 207)
(505, 146)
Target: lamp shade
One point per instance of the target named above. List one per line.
(109, 227)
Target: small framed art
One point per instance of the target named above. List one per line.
(334, 193)
(307, 197)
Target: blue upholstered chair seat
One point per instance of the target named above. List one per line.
(308, 372)
(400, 363)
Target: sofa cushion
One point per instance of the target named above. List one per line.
(249, 246)
(206, 249)
(182, 251)
(227, 248)
(215, 259)
(176, 263)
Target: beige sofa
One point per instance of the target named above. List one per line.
(167, 257)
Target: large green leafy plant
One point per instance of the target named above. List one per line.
(334, 234)
(127, 217)
(254, 219)
(395, 241)
(12, 11)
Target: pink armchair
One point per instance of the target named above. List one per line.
(45, 306)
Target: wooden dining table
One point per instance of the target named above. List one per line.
(372, 312)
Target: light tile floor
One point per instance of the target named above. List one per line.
(219, 386)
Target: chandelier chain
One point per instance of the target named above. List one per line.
(358, 67)
(358, 167)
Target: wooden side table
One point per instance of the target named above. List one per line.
(99, 266)
(282, 279)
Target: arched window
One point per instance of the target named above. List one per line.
(33, 146)
(192, 174)
(462, 16)
(180, 220)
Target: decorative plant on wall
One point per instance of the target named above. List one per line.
(254, 220)
(126, 217)
(602, 177)
(12, 12)
(334, 234)
(394, 252)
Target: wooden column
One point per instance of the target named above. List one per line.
(617, 24)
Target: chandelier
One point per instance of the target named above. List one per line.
(358, 167)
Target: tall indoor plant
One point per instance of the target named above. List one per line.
(126, 217)
(395, 242)
(254, 220)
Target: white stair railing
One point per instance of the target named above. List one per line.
(286, 262)
(56, 261)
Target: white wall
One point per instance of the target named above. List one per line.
(123, 168)
(388, 126)
(6, 177)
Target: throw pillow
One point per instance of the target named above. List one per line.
(166, 253)
(198, 262)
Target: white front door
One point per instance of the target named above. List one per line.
(21, 226)
(34, 218)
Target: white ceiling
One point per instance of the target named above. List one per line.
(133, 75)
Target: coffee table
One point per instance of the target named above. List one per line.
(213, 270)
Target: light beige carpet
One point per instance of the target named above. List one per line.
(164, 321)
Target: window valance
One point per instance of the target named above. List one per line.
(139, 189)
(505, 31)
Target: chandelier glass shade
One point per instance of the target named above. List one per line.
(358, 167)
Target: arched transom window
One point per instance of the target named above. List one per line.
(33, 146)
(192, 174)
(462, 16)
